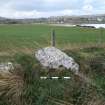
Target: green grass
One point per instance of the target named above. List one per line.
(26, 38)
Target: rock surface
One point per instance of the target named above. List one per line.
(54, 58)
(5, 67)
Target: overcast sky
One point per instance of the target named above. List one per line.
(46, 8)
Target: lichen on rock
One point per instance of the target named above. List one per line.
(54, 58)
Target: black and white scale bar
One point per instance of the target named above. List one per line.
(55, 78)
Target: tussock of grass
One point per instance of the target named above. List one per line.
(11, 86)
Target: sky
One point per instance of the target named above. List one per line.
(47, 8)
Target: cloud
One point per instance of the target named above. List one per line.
(88, 9)
(88, 1)
(34, 14)
(46, 8)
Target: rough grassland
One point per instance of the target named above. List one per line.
(26, 38)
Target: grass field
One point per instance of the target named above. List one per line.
(26, 38)
(23, 87)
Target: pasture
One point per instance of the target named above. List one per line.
(85, 90)
(28, 37)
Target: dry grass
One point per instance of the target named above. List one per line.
(75, 46)
(95, 102)
(11, 85)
